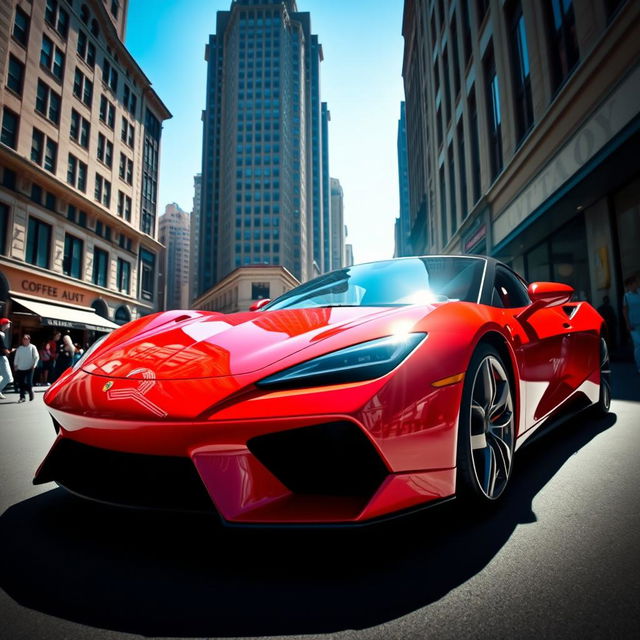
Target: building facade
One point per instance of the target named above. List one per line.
(79, 149)
(523, 124)
(337, 225)
(262, 149)
(194, 253)
(175, 235)
(403, 222)
(244, 286)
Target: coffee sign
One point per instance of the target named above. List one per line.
(50, 291)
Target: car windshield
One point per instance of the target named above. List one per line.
(390, 283)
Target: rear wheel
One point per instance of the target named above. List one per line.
(486, 431)
(604, 401)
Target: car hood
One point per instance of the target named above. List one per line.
(181, 345)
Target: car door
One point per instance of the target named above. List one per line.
(543, 344)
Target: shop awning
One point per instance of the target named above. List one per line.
(53, 315)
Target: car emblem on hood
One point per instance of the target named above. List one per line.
(108, 385)
(137, 394)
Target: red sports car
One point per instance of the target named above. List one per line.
(367, 392)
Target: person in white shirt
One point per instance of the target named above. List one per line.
(24, 363)
(631, 312)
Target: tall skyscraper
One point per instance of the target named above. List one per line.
(175, 234)
(194, 258)
(326, 188)
(403, 226)
(337, 225)
(79, 165)
(262, 151)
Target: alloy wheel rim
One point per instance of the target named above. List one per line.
(605, 374)
(492, 427)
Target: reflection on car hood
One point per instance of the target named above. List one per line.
(200, 345)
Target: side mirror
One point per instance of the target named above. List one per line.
(550, 294)
(545, 294)
(256, 306)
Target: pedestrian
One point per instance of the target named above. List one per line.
(611, 321)
(64, 351)
(5, 350)
(25, 362)
(44, 363)
(52, 347)
(631, 312)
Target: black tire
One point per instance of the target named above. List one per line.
(486, 429)
(602, 407)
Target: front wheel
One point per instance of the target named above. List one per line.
(486, 430)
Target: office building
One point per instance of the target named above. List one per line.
(403, 222)
(175, 235)
(81, 129)
(337, 225)
(523, 124)
(194, 255)
(262, 151)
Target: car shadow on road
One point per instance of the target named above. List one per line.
(175, 575)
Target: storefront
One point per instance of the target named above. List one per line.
(40, 306)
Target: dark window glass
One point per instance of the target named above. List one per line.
(100, 267)
(509, 291)
(36, 193)
(466, 30)
(453, 210)
(38, 243)
(124, 275)
(456, 56)
(37, 146)
(147, 274)
(463, 171)
(50, 155)
(10, 122)
(259, 290)
(520, 69)
(72, 261)
(563, 42)
(21, 27)
(15, 75)
(4, 226)
(483, 7)
(494, 114)
(443, 208)
(475, 146)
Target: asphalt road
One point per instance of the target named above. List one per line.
(559, 559)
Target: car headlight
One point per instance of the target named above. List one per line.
(363, 361)
(89, 351)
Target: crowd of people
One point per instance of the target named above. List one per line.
(34, 365)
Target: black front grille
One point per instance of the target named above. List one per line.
(334, 459)
(130, 479)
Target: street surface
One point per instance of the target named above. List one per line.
(559, 559)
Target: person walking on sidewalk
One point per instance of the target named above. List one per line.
(631, 311)
(25, 362)
(5, 350)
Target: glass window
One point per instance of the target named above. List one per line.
(37, 146)
(10, 122)
(390, 283)
(124, 275)
(100, 267)
(520, 69)
(4, 226)
(50, 155)
(509, 292)
(72, 261)
(563, 41)
(38, 243)
(21, 27)
(147, 274)
(494, 113)
(15, 75)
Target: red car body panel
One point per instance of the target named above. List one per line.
(182, 384)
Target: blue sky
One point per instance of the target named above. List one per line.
(360, 80)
